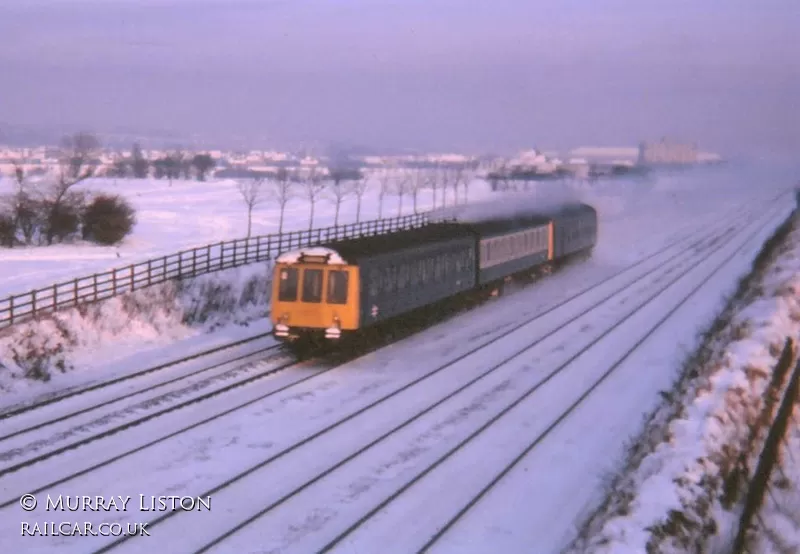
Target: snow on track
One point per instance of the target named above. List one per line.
(528, 405)
(309, 406)
(26, 440)
(207, 455)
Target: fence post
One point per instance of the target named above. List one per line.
(149, 272)
(194, 262)
(180, 264)
(767, 459)
(94, 280)
(55, 296)
(222, 254)
(11, 310)
(208, 258)
(164, 266)
(114, 282)
(133, 281)
(33, 302)
(75, 291)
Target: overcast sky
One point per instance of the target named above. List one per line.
(438, 74)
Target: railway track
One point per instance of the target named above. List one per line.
(335, 491)
(16, 443)
(444, 379)
(576, 308)
(193, 381)
(65, 394)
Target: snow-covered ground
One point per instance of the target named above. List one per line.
(130, 332)
(511, 427)
(673, 499)
(185, 215)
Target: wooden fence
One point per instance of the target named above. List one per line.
(776, 433)
(187, 263)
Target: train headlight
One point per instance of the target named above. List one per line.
(335, 330)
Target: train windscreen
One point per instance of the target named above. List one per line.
(312, 285)
(287, 291)
(337, 287)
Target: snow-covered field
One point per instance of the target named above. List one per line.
(185, 215)
(493, 431)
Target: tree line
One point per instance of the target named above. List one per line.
(176, 164)
(336, 184)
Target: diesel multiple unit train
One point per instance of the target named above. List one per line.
(322, 292)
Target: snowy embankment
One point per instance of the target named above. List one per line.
(682, 488)
(102, 335)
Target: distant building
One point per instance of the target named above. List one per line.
(666, 152)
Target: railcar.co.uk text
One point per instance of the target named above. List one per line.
(84, 503)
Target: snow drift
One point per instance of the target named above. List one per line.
(56, 344)
(683, 487)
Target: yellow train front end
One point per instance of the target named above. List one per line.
(313, 298)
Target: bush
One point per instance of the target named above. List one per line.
(108, 220)
(63, 221)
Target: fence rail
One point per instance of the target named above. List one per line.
(186, 263)
(770, 453)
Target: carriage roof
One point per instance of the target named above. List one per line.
(350, 250)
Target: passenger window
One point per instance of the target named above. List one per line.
(337, 287)
(374, 282)
(388, 281)
(312, 285)
(403, 280)
(287, 290)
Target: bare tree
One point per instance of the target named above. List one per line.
(468, 176)
(445, 180)
(384, 181)
(415, 179)
(462, 176)
(500, 176)
(432, 181)
(76, 163)
(313, 186)
(401, 188)
(252, 194)
(26, 212)
(119, 167)
(15, 212)
(359, 189)
(140, 166)
(18, 174)
(341, 187)
(281, 190)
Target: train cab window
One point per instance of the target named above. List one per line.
(287, 290)
(312, 285)
(337, 287)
